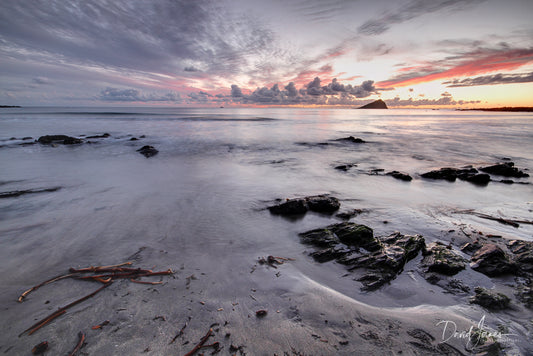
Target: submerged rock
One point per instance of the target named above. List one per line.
(61, 139)
(105, 135)
(298, 206)
(490, 300)
(400, 176)
(352, 139)
(492, 261)
(148, 151)
(506, 169)
(468, 174)
(438, 258)
(356, 247)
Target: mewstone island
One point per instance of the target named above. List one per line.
(244, 178)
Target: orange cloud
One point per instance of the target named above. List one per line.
(478, 62)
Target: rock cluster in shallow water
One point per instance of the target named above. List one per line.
(298, 206)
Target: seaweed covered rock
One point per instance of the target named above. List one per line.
(492, 261)
(506, 169)
(298, 206)
(438, 258)
(490, 300)
(148, 151)
(355, 246)
(58, 139)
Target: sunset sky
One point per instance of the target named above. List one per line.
(423, 53)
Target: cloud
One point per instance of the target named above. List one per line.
(491, 80)
(313, 93)
(41, 81)
(446, 100)
(409, 11)
(479, 61)
(134, 95)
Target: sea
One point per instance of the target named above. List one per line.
(202, 201)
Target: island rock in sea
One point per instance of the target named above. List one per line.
(378, 104)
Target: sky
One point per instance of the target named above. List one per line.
(338, 53)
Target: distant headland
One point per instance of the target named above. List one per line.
(512, 109)
(378, 104)
(9, 106)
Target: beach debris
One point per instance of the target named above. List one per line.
(201, 343)
(147, 151)
(60, 312)
(512, 222)
(261, 313)
(79, 345)
(110, 274)
(273, 261)
(179, 333)
(99, 326)
(59, 139)
(490, 300)
(16, 193)
(298, 206)
(356, 247)
(40, 348)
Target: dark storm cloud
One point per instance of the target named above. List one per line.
(409, 11)
(491, 80)
(134, 95)
(314, 93)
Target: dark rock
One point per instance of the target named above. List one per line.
(27, 138)
(492, 261)
(524, 293)
(378, 104)
(490, 300)
(356, 247)
(523, 254)
(290, 207)
(438, 258)
(298, 206)
(479, 178)
(456, 286)
(400, 176)
(349, 214)
(105, 135)
(449, 174)
(345, 167)
(148, 151)
(133, 139)
(61, 139)
(506, 169)
(352, 139)
(323, 203)
(471, 247)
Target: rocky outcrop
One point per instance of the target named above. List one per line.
(492, 261)
(148, 151)
(355, 246)
(468, 174)
(506, 169)
(441, 259)
(378, 104)
(490, 300)
(523, 254)
(299, 206)
(59, 139)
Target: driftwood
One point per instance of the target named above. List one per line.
(511, 222)
(58, 278)
(60, 312)
(99, 268)
(81, 337)
(200, 344)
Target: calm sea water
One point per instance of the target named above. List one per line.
(202, 199)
